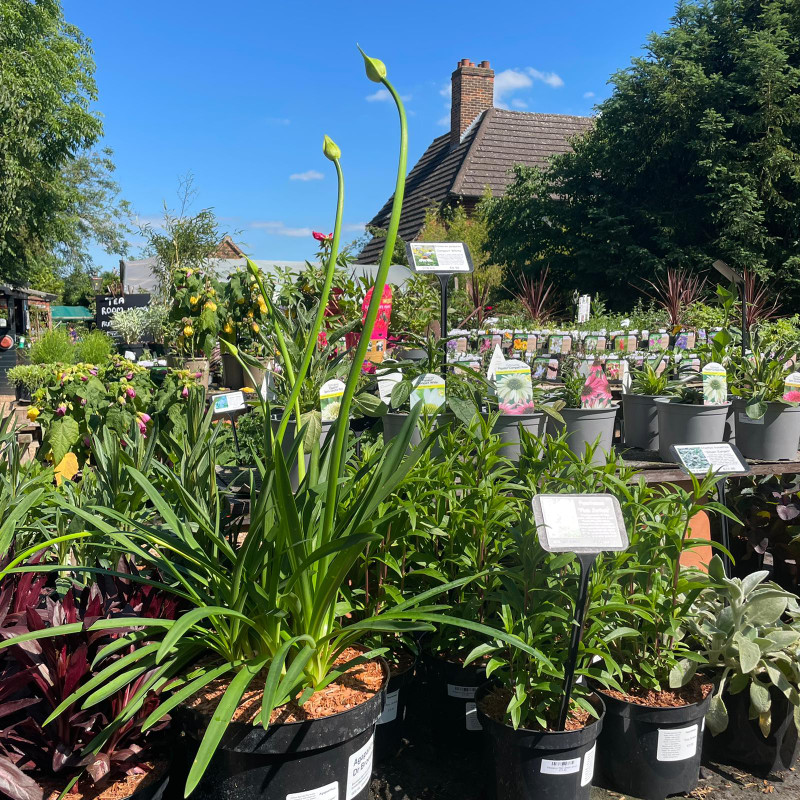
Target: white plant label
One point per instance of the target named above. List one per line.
(471, 717)
(574, 523)
(497, 360)
(330, 399)
(699, 458)
(329, 792)
(588, 767)
(676, 744)
(428, 390)
(386, 383)
(464, 692)
(359, 769)
(389, 713)
(567, 767)
(715, 384)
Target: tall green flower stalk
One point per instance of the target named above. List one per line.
(376, 72)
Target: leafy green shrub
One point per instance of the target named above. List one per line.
(55, 347)
(31, 376)
(94, 348)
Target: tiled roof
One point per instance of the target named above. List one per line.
(485, 157)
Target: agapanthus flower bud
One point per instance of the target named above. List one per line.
(330, 149)
(376, 69)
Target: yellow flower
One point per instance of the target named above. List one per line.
(262, 305)
(33, 412)
(211, 306)
(248, 389)
(255, 327)
(188, 330)
(250, 313)
(193, 300)
(228, 328)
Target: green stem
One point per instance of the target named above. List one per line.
(335, 463)
(311, 344)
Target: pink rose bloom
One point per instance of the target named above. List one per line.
(131, 392)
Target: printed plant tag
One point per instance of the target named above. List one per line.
(715, 384)
(658, 341)
(566, 345)
(513, 387)
(330, 399)
(552, 369)
(555, 343)
(791, 388)
(540, 369)
(386, 382)
(520, 342)
(531, 346)
(616, 369)
(428, 390)
(685, 340)
(596, 392)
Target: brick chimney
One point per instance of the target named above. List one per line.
(473, 92)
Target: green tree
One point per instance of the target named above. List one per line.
(694, 157)
(48, 182)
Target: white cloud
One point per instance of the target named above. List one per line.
(280, 228)
(382, 96)
(308, 175)
(550, 78)
(517, 103)
(446, 90)
(444, 121)
(510, 81)
(354, 227)
(588, 95)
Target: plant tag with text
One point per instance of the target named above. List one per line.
(513, 388)
(715, 384)
(579, 523)
(330, 399)
(428, 390)
(359, 769)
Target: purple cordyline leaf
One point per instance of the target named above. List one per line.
(12, 706)
(78, 667)
(16, 784)
(98, 766)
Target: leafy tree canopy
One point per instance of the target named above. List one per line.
(694, 157)
(58, 195)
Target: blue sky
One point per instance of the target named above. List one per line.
(241, 93)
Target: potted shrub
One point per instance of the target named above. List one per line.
(650, 745)
(639, 408)
(27, 378)
(518, 708)
(684, 419)
(582, 426)
(748, 630)
(194, 313)
(131, 325)
(767, 418)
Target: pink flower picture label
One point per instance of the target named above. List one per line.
(513, 387)
(596, 392)
(791, 388)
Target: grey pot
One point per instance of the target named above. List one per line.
(393, 422)
(587, 426)
(730, 425)
(681, 423)
(507, 428)
(288, 442)
(640, 413)
(774, 437)
(232, 373)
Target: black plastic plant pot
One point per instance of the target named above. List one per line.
(391, 723)
(321, 759)
(743, 743)
(153, 789)
(649, 752)
(449, 702)
(528, 765)
(22, 394)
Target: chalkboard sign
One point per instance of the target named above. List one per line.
(107, 305)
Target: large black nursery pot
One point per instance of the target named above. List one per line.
(507, 427)
(391, 723)
(650, 752)
(640, 417)
(774, 437)
(321, 759)
(448, 701)
(528, 765)
(22, 394)
(155, 789)
(743, 743)
(684, 423)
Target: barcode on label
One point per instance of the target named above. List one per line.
(676, 744)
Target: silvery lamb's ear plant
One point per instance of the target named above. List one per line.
(748, 631)
(268, 604)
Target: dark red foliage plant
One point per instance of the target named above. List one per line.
(675, 292)
(36, 677)
(536, 296)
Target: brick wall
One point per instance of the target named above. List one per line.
(473, 92)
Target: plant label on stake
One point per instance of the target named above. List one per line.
(791, 388)
(443, 259)
(715, 384)
(596, 392)
(330, 399)
(428, 390)
(513, 387)
(497, 359)
(587, 525)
